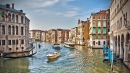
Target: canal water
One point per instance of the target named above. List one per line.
(78, 60)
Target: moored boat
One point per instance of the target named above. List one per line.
(69, 45)
(56, 46)
(53, 55)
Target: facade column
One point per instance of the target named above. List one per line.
(117, 53)
(125, 48)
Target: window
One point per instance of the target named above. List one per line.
(13, 42)
(16, 41)
(104, 30)
(99, 37)
(3, 42)
(22, 41)
(98, 42)
(9, 42)
(13, 30)
(17, 48)
(21, 30)
(16, 30)
(121, 21)
(9, 17)
(99, 23)
(104, 36)
(16, 18)
(104, 42)
(99, 17)
(3, 29)
(104, 23)
(9, 48)
(94, 30)
(9, 30)
(93, 17)
(104, 17)
(93, 42)
(21, 19)
(99, 30)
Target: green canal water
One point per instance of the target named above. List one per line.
(78, 60)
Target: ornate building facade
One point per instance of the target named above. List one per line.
(14, 29)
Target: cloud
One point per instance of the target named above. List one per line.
(41, 11)
(43, 3)
(71, 13)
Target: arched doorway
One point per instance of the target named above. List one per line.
(122, 46)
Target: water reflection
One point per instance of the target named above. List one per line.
(14, 65)
(78, 60)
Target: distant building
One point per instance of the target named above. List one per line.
(80, 35)
(52, 36)
(43, 34)
(66, 35)
(120, 29)
(14, 29)
(98, 28)
(73, 35)
(86, 31)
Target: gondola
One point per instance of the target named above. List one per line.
(22, 56)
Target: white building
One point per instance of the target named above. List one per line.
(14, 29)
(120, 28)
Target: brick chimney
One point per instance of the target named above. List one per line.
(13, 5)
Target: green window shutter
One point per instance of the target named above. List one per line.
(99, 23)
(104, 23)
(104, 30)
(94, 30)
(99, 30)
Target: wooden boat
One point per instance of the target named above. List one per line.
(69, 45)
(56, 46)
(53, 55)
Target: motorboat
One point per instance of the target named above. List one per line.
(53, 55)
(56, 46)
(69, 45)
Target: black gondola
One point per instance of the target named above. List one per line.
(22, 56)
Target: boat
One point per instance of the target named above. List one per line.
(19, 54)
(69, 45)
(56, 46)
(53, 55)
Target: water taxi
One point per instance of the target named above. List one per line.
(69, 45)
(56, 46)
(53, 55)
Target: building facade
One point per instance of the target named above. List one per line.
(80, 34)
(120, 28)
(98, 28)
(14, 29)
(73, 35)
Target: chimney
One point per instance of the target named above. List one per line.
(13, 5)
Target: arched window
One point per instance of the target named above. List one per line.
(3, 29)
(13, 30)
(98, 42)
(16, 18)
(21, 19)
(16, 30)
(13, 17)
(9, 30)
(9, 16)
(22, 31)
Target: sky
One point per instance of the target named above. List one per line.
(53, 14)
